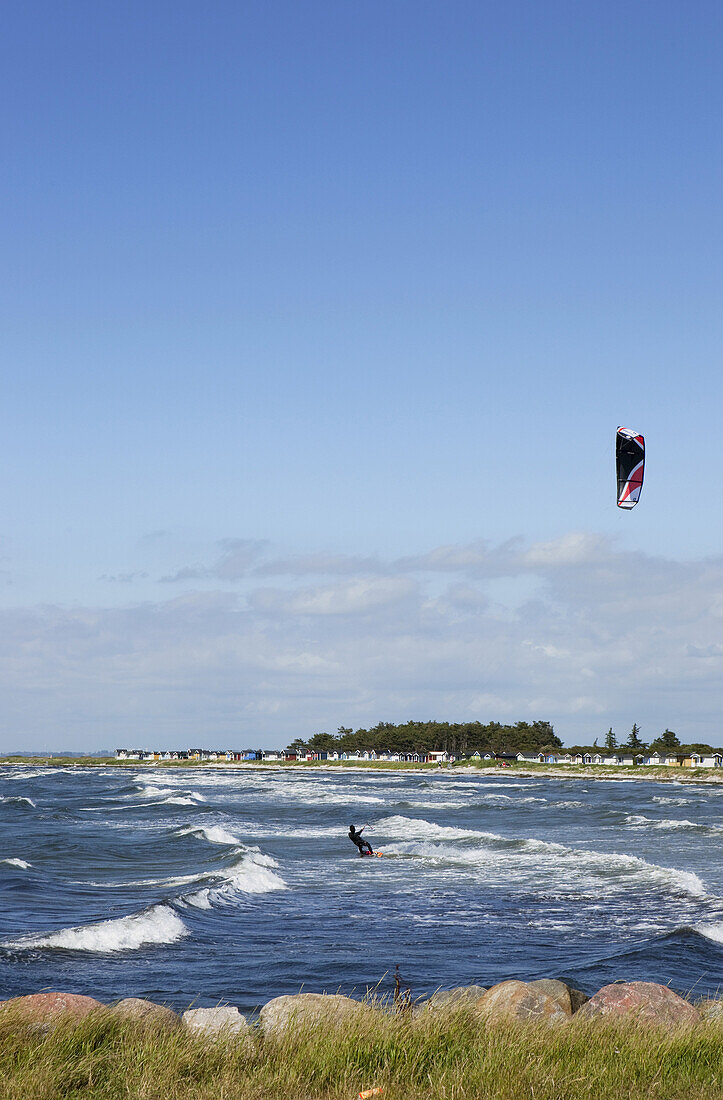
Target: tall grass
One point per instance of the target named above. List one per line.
(450, 1055)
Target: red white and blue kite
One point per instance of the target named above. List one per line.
(630, 463)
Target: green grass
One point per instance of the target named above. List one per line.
(589, 771)
(452, 1056)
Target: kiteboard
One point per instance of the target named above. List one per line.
(379, 854)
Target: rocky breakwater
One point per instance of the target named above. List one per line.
(553, 1003)
(546, 1002)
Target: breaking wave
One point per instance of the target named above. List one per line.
(178, 880)
(433, 805)
(169, 795)
(158, 925)
(214, 834)
(17, 799)
(711, 932)
(15, 862)
(640, 821)
(252, 874)
(550, 858)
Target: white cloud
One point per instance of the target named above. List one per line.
(234, 563)
(320, 564)
(595, 636)
(575, 548)
(357, 597)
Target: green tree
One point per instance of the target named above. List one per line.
(322, 742)
(634, 743)
(611, 741)
(297, 745)
(667, 741)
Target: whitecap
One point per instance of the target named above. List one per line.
(178, 880)
(640, 821)
(252, 874)
(21, 863)
(214, 834)
(433, 805)
(181, 800)
(171, 794)
(536, 857)
(158, 925)
(711, 932)
(17, 799)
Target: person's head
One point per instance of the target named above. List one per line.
(352, 829)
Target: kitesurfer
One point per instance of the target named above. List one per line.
(355, 835)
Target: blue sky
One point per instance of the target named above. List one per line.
(318, 323)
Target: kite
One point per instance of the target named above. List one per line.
(630, 463)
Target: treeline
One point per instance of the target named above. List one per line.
(462, 737)
(667, 741)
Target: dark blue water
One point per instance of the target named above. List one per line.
(240, 884)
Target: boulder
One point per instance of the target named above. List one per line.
(42, 1007)
(711, 1009)
(648, 1001)
(222, 1022)
(306, 1008)
(461, 996)
(568, 998)
(146, 1012)
(522, 1001)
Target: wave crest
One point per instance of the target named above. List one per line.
(711, 932)
(252, 874)
(536, 856)
(214, 834)
(158, 925)
(640, 821)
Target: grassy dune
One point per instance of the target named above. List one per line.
(450, 1056)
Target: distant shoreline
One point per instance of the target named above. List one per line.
(702, 776)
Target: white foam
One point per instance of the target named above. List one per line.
(35, 774)
(413, 828)
(671, 801)
(23, 864)
(179, 880)
(182, 800)
(17, 798)
(711, 932)
(433, 805)
(540, 859)
(640, 821)
(158, 925)
(214, 834)
(329, 798)
(252, 874)
(171, 794)
(496, 799)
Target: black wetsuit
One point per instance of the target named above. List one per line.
(355, 835)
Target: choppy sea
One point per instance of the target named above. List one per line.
(239, 884)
